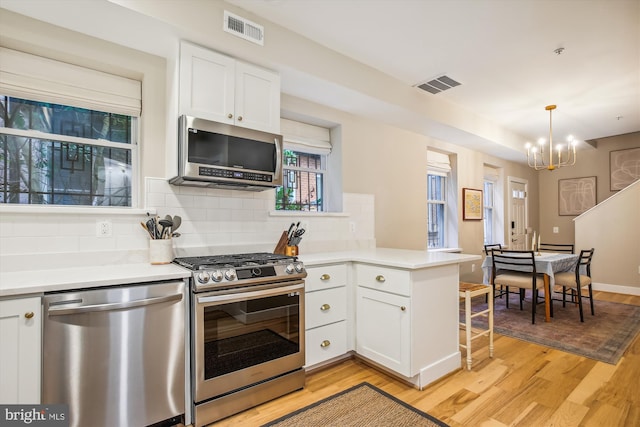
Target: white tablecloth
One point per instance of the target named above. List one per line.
(548, 263)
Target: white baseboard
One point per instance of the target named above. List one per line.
(619, 289)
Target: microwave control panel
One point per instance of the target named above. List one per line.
(234, 174)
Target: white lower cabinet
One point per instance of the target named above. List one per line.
(407, 320)
(326, 313)
(326, 342)
(21, 350)
(383, 325)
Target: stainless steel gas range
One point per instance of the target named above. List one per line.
(247, 331)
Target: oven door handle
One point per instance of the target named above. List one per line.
(242, 296)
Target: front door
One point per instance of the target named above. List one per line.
(517, 213)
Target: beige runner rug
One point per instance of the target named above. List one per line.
(363, 405)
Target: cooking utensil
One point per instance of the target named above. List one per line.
(176, 222)
(146, 229)
(152, 228)
(166, 225)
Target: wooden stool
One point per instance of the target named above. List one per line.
(468, 291)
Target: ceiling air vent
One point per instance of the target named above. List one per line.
(243, 28)
(439, 84)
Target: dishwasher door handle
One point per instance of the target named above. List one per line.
(113, 306)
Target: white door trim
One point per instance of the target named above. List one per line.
(511, 180)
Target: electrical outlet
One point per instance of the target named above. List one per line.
(556, 230)
(352, 227)
(473, 268)
(104, 228)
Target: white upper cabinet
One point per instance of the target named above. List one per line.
(219, 88)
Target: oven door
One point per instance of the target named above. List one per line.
(245, 337)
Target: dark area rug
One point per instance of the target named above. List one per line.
(604, 336)
(361, 405)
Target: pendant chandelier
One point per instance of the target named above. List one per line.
(536, 154)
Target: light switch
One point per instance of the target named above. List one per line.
(556, 230)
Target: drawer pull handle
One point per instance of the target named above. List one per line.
(239, 118)
(325, 343)
(29, 314)
(380, 278)
(325, 277)
(229, 116)
(403, 308)
(325, 307)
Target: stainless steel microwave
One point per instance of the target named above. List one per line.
(212, 154)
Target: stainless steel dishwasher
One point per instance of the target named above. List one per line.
(116, 355)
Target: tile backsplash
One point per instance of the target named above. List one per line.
(214, 221)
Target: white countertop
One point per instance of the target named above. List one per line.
(399, 258)
(23, 283)
(38, 281)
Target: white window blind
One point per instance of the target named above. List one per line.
(27, 76)
(298, 136)
(491, 174)
(438, 163)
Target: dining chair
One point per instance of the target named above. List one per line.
(487, 251)
(553, 247)
(576, 280)
(516, 269)
(488, 248)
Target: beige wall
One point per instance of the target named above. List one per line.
(390, 163)
(591, 162)
(613, 230)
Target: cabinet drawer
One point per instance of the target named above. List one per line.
(326, 276)
(383, 279)
(326, 342)
(323, 307)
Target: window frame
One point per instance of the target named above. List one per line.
(489, 211)
(132, 147)
(322, 172)
(437, 202)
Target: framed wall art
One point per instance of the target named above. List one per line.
(576, 195)
(624, 168)
(472, 204)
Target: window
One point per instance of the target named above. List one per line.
(307, 148)
(302, 188)
(64, 155)
(492, 220)
(438, 200)
(488, 212)
(68, 134)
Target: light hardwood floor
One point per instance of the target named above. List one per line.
(522, 385)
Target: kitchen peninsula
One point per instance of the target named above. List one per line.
(401, 310)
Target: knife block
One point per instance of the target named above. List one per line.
(282, 244)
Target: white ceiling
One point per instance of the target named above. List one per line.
(502, 53)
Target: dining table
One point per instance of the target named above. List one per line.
(547, 263)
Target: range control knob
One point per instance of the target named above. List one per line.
(230, 274)
(216, 275)
(290, 269)
(299, 267)
(203, 277)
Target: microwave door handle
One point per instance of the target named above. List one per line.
(278, 156)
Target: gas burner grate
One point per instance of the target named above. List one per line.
(235, 260)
